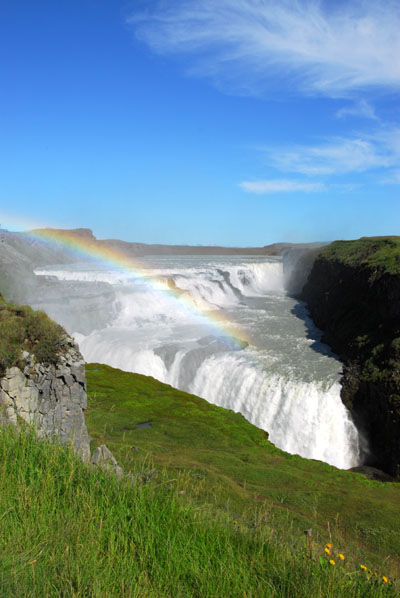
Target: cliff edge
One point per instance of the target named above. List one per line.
(42, 377)
(353, 294)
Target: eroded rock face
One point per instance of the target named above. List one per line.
(358, 308)
(53, 397)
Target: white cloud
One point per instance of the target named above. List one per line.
(339, 155)
(280, 185)
(315, 46)
(361, 109)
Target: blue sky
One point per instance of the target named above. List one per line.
(232, 122)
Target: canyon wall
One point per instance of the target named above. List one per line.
(353, 295)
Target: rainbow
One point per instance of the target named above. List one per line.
(85, 246)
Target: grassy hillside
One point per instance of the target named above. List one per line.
(71, 531)
(231, 466)
(382, 253)
(211, 509)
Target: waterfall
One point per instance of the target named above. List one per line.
(285, 381)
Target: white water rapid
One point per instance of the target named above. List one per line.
(285, 381)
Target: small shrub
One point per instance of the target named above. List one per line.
(43, 335)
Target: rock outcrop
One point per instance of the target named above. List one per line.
(354, 297)
(52, 397)
(103, 457)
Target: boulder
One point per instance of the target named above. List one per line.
(103, 457)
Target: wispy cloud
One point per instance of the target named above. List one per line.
(339, 155)
(279, 186)
(361, 109)
(312, 46)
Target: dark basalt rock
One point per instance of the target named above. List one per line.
(372, 473)
(358, 309)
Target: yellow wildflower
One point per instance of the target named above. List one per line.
(370, 571)
(385, 579)
(341, 556)
(234, 522)
(363, 567)
(332, 562)
(328, 551)
(328, 545)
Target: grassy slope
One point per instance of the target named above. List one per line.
(71, 531)
(232, 466)
(382, 253)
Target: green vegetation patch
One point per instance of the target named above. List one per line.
(72, 531)
(22, 328)
(382, 253)
(233, 468)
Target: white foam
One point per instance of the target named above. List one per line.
(155, 334)
(90, 275)
(305, 418)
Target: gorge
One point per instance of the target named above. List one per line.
(283, 380)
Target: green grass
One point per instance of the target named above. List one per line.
(233, 469)
(22, 328)
(381, 253)
(71, 531)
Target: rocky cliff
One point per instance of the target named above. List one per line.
(50, 396)
(353, 294)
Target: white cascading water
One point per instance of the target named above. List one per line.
(285, 381)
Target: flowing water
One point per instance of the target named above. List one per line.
(284, 381)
